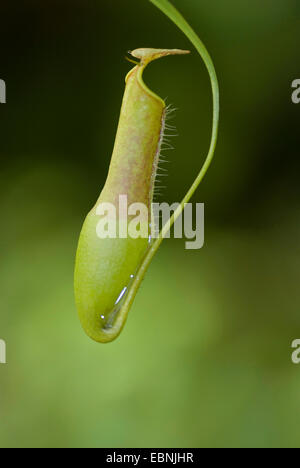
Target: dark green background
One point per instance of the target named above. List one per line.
(205, 358)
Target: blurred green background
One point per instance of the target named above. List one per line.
(205, 358)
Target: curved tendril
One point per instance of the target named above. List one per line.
(174, 15)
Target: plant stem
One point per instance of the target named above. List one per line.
(170, 11)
